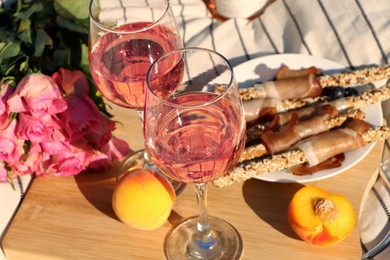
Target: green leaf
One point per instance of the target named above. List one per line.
(42, 21)
(60, 56)
(10, 179)
(84, 63)
(12, 49)
(24, 31)
(64, 23)
(10, 68)
(36, 7)
(24, 66)
(72, 9)
(3, 34)
(41, 41)
(24, 25)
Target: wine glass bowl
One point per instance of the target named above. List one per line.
(124, 40)
(195, 134)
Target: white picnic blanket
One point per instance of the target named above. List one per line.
(354, 33)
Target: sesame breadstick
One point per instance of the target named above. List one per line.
(354, 77)
(248, 169)
(366, 98)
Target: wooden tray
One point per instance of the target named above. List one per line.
(72, 218)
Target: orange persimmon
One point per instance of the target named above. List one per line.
(319, 217)
(143, 199)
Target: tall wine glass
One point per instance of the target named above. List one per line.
(195, 135)
(125, 38)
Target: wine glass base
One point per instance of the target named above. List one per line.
(228, 244)
(138, 161)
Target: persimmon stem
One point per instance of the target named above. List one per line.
(326, 210)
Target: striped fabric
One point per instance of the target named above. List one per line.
(354, 33)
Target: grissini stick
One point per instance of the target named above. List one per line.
(354, 77)
(364, 99)
(255, 168)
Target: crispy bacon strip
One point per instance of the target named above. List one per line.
(323, 151)
(253, 108)
(289, 88)
(304, 169)
(321, 147)
(285, 72)
(295, 130)
(285, 138)
(269, 117)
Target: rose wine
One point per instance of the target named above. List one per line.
(197, 144)
(119, 61)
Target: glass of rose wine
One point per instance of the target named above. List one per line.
(125, 38)
(195, 134)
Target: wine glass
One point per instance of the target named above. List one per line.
(194, 135)
(125, 38)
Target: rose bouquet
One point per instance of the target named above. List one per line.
(50, 126)
(53, 121)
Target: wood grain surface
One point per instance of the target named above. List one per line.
(72, 218)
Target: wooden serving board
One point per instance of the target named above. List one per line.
(72, 218)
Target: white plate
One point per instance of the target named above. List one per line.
(264, 68)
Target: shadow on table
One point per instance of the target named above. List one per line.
(270, 201)
(97, 188)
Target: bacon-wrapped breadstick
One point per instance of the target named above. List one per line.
(365, 98)
(354, 77)
(289, 88)
(278, 141)
(356, 138)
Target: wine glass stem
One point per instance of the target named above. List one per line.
(204, 243)
(203, 225)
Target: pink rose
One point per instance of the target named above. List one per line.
(65, 166)
(98, 161)
(35, 129)
(57, 145)
(4, 115)
(61, 166)
(3, 172)
(37, 94)
(66, 163)
(116, 149)
(27, 166)
(102, 134)
(5, 92)
(71, 82)
(81, 117)
(11, 149)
